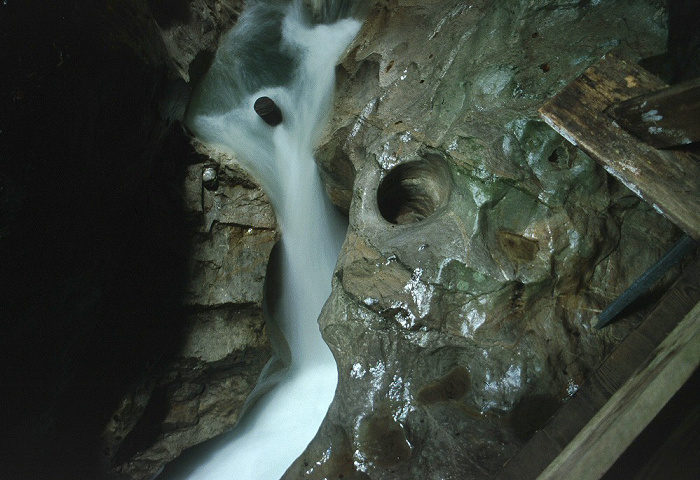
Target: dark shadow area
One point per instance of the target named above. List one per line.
(199, 66)
(692, 148)
(92, 232)
(668, 447)
(681, 61)
(169, 13)
(532, 414)
(684, 39)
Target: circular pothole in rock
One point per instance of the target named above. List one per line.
(413, 191)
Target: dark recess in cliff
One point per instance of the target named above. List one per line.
(90, 229)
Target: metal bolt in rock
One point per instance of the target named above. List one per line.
(210, 178)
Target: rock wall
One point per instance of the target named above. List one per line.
(133, 265)
(191, 29)
(481, 243)
(203, 390)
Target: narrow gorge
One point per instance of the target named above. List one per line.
(307, 239)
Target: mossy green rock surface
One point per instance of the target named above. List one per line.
(481, 243)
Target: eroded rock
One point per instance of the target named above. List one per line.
(202, 392)
(481, 243)
(190, 30)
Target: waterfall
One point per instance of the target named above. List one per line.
(286, 52)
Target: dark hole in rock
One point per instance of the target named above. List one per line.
(268, 111)
(453, 386)
(388, 67)
(383, 440)
(517, 248)
(413, 191)
(531, 414)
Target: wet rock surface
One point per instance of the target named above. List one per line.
(481, 243)
(119, 346)
(190, 30)
(203, 390)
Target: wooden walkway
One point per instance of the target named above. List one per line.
(636, 355)
(592, 429)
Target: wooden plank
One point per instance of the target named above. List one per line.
(631, 408)
(667, 181)
(665, 118)
(622, 362)
(539, 452)
(573, 416)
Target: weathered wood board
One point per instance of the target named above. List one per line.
(666, 118)
(668, 181)
(632, 407)
(547, 444)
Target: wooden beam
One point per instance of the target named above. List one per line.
(665, 118)
(593, 451)
(668, 181)
(610, 375)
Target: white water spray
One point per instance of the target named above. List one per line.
(296, 70)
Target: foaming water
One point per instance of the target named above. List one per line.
(288, 54)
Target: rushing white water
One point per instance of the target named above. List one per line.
(277, 51)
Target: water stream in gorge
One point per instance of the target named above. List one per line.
(283, 52)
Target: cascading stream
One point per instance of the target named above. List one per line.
(278, 51)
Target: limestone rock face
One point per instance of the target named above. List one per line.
(136, 325)
(191, 29)
(203, 390)
(481, 243)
